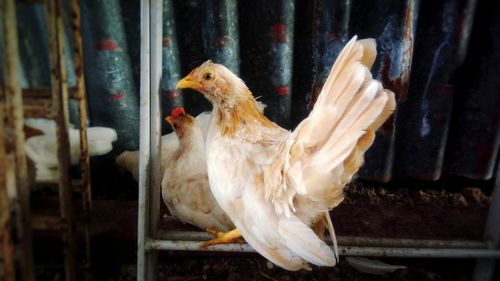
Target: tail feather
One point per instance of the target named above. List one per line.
(389, 108)
(304, 242)
(332, 235)
(350, 50)
(369, 52)
(348, 139)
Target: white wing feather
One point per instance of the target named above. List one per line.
(326, 150)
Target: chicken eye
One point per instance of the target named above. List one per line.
(176, 126)
(208, 76)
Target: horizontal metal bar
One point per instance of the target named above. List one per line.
(45, 93)
(346, 241)
(418, 252)
(42, 222)
(153, 244)
(343, 250)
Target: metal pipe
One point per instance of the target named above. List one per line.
(82, 118)
(61, 116)
(7, 246)
(156, 70)
(14, 106)
(346, 241)
(143, 226)
(343, 250)
(419, 252)
(410, 243)
(156, 40)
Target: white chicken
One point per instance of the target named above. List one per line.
(42, 149)
(185, 188)
(277, 185)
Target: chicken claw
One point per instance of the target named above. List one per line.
(229, 237)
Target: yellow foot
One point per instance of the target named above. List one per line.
(233, 236)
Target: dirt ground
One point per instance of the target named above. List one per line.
(403, 212)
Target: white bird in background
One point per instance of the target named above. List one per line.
(277, 186)
(42, 149)
(185, 188)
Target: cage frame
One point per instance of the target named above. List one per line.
(150, 239)
(51, 103)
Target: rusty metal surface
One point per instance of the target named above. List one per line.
(393, 26)
(46, 93)
(6, 242)
(61, 115)
(37, 102)
(424, 118)
(14, 112)
(82, 122)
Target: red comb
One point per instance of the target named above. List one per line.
(176, 112)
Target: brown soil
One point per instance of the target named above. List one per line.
(367, 211)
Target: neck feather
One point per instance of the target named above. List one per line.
(242, 113)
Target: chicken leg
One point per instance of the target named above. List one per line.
(229, 237)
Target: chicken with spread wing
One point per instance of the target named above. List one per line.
(275, 185)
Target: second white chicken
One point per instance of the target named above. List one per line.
(185, 187)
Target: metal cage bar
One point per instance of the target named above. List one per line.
(7, 246)
(144, 258)
(150, 131)
(61, 115)
(81, 97)
(16, 163)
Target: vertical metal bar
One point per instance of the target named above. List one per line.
(7, 247)
(156, 25)
(16, 123)
(61, 115)
(143, 225)
(485, 268)
(82, 118)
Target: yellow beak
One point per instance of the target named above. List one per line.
(188, 83)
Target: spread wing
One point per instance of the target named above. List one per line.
(326, 149)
